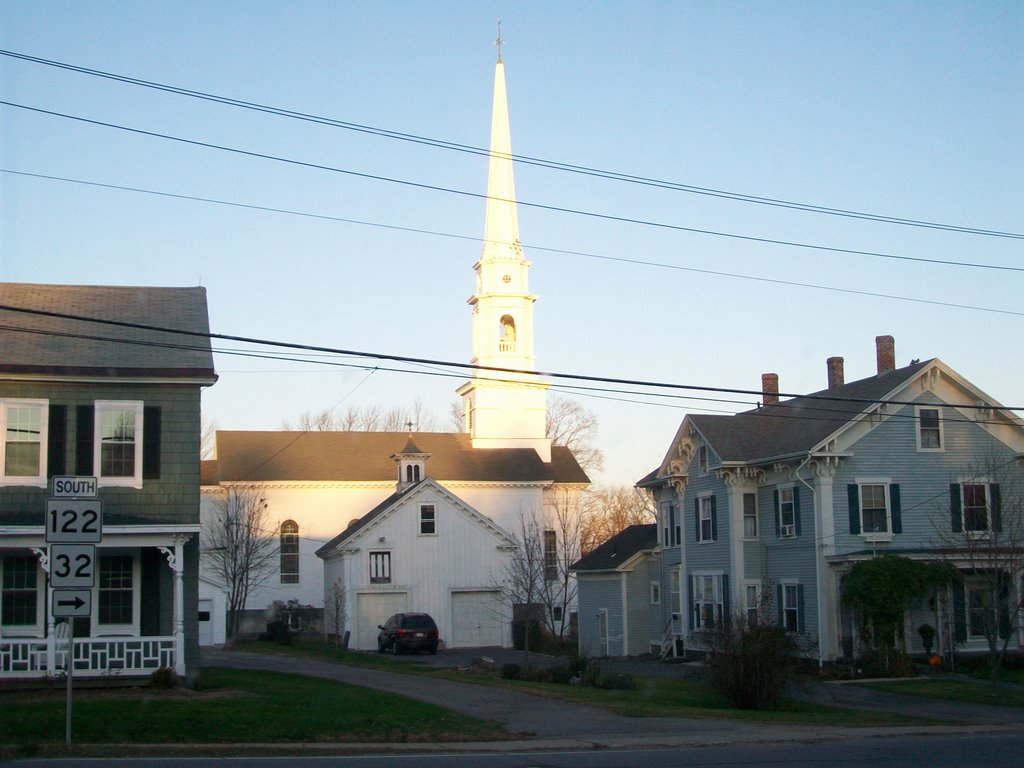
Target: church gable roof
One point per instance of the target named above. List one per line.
(366, 457)
(65, 346)
(406, 498)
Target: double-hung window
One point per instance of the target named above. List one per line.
(750, 515)
(380, 567)
(752, 602)
(20, 600)
(929, 428)
(707, 601)
(428, 520)
(975, 507)
(786, 504)
(23, 432)
(702, 459)
(707, 524)
(670, 522)
(790, 599)
(116, 598)
(118, 443)
(874, 505)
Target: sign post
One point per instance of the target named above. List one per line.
(74, 526)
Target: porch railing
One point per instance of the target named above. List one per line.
(94, 656)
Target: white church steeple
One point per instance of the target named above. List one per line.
(501, 409)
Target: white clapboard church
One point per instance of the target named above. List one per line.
(423, 521)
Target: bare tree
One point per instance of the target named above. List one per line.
(240, 548)
(368, 418)
(562, 543)
(607, 510)
(524, 575)
(334, 610)
(981, 533)
(570, 424)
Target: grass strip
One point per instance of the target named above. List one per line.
(236, 706)
(958, 691)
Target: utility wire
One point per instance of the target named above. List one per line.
(523, 159)
(522, 203)
(472, 366)
(583, 254)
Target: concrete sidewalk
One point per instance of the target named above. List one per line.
(542, 722)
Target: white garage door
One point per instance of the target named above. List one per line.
(477, 619)
(373, 609)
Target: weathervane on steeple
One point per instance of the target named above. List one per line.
(498, 42)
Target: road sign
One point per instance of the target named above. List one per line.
(74, 521)
(70, 487)
(72, 565)
(71, 603)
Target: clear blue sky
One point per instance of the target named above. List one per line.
(912, 110)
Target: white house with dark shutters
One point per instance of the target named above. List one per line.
(90, 386)
(774, 505)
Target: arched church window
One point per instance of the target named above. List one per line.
(289, 552)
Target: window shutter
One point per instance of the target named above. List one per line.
(853, 498)
(84, 418)
(726, 601)
(800, 625)
(714, 520)
(56, 440)
(151, 442)
(996, 502)
(696, 519)
(955, 511)
(894, 507)
(1003, 606)
(778, 601)
(778, 516)
(959, 613)
(796, 508)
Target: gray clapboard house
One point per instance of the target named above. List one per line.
(90, 386)
(769, 509)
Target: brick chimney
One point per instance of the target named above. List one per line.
(770, 388)
(836, 375)
(885, 353)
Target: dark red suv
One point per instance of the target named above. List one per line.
(407, 632)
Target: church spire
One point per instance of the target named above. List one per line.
(503, 410)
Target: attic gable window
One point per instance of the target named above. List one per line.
(929, 429)
(380, 567)
(23, 433)
(702, 459)
(428, 520)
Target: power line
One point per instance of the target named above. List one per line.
(523, 159)
(522, 203)
(472, 367)
(567, 252)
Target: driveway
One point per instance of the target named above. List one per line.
(560, 723)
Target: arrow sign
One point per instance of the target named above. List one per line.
(71, 603)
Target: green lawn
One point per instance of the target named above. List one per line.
(235, 706)
(653, 697)
(955, 690)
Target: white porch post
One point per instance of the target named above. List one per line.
(176, 558)
(51, 641)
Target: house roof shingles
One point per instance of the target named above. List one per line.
(619, 548)
(800, 423)
(366, 457)
(60, 344)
